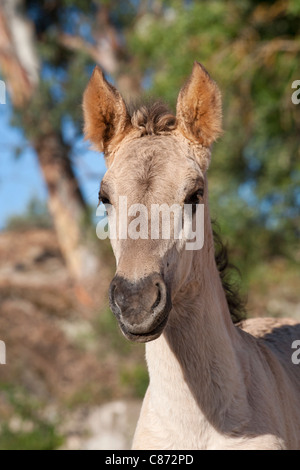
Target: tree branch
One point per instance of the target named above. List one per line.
(18, 82)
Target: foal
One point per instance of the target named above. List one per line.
(213, 384)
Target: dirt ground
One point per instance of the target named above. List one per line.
(68, 368)
(56, 354)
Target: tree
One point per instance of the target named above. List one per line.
(251, 48)
(65, 200)
(47, 62)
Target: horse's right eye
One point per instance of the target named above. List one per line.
(104, 199)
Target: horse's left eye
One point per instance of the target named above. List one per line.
(195, 197)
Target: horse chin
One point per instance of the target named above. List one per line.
(147, 335)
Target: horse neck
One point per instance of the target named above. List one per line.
(195, 361)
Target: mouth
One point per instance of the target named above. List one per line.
(147, 336)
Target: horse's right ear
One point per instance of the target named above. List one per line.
(105, 115)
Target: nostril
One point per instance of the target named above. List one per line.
(112, 293)
(158, 299)
(114, 296)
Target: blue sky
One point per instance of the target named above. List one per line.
(21, 178)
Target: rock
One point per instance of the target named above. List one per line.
(107, 427)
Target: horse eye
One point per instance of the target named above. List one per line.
(103, 199)
(195, 197)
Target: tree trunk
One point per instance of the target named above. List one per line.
(19, 69)
(19, 63)
(67, 207)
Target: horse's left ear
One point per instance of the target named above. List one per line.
(106, 119)
(199, 108)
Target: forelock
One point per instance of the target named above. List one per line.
(155, 119)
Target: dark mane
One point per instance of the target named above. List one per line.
(236, 304)
(152, 119)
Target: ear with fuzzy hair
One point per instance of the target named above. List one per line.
(199, 108)
(105, 115)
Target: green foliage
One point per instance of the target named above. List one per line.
(137, 379)
(35, 216)
(42, 437)
(294, 7)
(251, 49)
(30, 431)
(108, 328)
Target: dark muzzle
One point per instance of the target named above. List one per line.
(141, 307)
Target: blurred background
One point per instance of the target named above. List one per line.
(71, 380)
